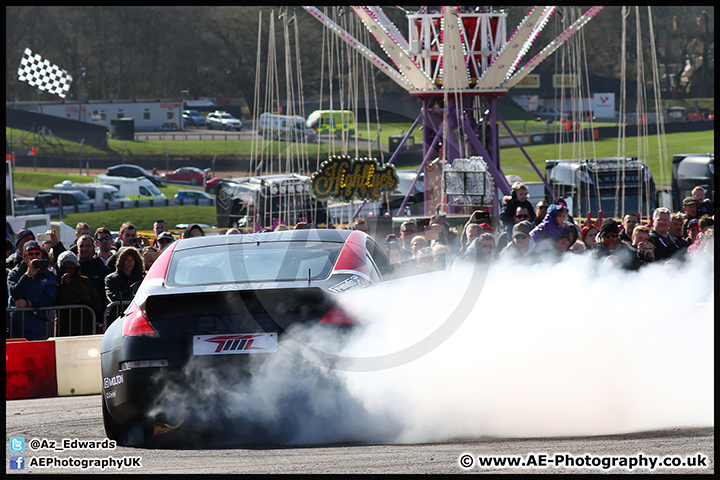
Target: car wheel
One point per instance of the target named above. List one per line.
(193, 181)
(123, 433)
(211, 191)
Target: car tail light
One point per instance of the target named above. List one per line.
(336, 315)
(352, 257)
(136, 323)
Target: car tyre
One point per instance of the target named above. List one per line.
(193, 181)
(123, 433)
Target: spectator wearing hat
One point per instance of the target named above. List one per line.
(693, 229)
(75, 289)
(690, 208)
(552, 225)
(522, 245)
(567, 239)
(660, 236)
(21, 238)
(32, 285)
(609, 245)
(705, 206)
(165, 239)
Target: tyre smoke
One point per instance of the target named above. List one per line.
(574, 348)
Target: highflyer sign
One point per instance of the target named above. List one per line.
(343, 178)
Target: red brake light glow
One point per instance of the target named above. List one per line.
(136, 323)
(353, 256)
(336, 315)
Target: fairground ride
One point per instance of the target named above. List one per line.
(458, 61)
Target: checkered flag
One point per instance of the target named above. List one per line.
(41, 74)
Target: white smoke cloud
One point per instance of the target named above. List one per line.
(576, 348)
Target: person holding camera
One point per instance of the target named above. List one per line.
(644, 250)
(32, 285)
(75, 289)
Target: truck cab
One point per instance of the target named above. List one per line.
(614, 185)
(267, 199)
(690, 170)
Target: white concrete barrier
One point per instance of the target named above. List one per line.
(78, 365)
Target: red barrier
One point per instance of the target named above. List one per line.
(30, 369)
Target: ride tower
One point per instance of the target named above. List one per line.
(458, 61)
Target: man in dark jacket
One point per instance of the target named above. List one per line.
(609, 246)
(21, 238)
(75, 289)
(92, 266)
(665, 244)
(31, 285)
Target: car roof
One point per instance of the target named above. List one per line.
(303, 235)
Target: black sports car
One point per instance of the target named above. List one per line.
(222, 301)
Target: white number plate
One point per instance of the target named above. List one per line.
(234, 343)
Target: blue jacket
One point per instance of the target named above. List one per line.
(40, 290)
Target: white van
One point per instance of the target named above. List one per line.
(285, 127)
(99, 193)
(132, 188)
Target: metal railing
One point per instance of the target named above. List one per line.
(51, 329)
(53, 317)
(113, 310)
(98, 207)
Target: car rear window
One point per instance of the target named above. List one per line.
(252, 262)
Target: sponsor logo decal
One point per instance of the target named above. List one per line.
(113, 381)
(235, 343)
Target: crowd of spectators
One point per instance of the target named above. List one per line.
(95, 271)
(99, 272)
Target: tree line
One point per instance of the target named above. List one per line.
(193, 51)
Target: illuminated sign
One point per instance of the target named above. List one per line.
(344, 178)
(530, 81)
(566, 80)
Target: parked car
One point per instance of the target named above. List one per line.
(222, 121)
(54, 198)
(223, 304)
(191, 175)
(133, 171)
(213, 185)
(193, 118)
(26, 205)
(192, 194)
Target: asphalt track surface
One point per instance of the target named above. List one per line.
(55, 419)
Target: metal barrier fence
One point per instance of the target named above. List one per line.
(57, 321)
(86, 314)
(113, 310)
